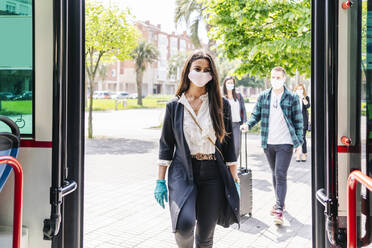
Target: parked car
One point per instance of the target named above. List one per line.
(102, 95)
(135, 96)
(27, 95)
(120, 95)
(6, 95)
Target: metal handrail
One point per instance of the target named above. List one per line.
(354, 178)
(18, 192)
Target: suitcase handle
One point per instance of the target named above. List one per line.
(246, 152)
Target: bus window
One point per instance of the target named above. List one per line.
(16, 63)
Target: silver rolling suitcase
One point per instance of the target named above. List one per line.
(245, 176)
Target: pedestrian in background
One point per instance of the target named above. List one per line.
(238, 112)
(280, 114)
(301, 156)
(197, 146)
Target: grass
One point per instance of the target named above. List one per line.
(252, 99)
(158, 101)
(16, 107)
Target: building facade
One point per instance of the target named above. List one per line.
(121, 75)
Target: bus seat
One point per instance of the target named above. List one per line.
(9, 145)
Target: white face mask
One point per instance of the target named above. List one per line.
(230, 86)
(200, 79)
(300, 92)
(277, 84)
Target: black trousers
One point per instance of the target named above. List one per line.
(202, 208)
(304, 145)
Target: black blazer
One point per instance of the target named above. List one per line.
(305, 112)
(173, 146)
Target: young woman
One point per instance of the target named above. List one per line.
(196, 147)
(305, 104)
(238, 112)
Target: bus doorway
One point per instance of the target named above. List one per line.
(99, 193)
(340, 143)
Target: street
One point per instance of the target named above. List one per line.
(120, 174)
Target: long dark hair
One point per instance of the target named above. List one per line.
(225, 89)
(212, 87)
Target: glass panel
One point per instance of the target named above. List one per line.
(16, 63)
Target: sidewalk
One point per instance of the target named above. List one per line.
(120, 210)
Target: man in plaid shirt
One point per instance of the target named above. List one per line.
(280, 114)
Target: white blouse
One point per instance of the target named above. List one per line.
(196, 139)
(235, 110)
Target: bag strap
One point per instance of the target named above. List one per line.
(209, 138)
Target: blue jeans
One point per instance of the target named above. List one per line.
(279, 157)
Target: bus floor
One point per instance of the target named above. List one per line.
(120, 210)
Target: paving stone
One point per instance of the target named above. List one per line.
(120, 210)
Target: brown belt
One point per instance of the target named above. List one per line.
(201, 156)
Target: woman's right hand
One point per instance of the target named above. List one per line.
(161, 192)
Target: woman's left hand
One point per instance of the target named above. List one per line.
(237, 185)
(305, 101)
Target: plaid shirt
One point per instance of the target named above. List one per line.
(291, 108)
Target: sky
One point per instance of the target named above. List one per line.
(156, 11)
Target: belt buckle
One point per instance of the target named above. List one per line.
(202, 156)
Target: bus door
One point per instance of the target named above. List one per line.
(64, 227)
(342, 133)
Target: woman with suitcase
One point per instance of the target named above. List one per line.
(198, 152)
(238, 112)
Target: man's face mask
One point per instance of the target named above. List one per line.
(277, 84)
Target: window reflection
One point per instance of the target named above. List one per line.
(16, 63)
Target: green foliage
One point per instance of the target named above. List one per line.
(262, 34)
(225, 67)
(249, 81)
(148, 102)
(108, 33)
(175, 64)
(16, 107)
(191, 13)
(144, 54)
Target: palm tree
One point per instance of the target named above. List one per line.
(144, 54)
(187, 9)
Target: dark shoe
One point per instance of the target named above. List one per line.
(304, 157)
(298, 161)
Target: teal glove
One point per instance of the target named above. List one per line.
(237, 185)
(161, 192)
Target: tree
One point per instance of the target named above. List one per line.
(108, 34)
(193, 11)
(175, 64)
(250, 81)
(225, 67)
(102, 71)
(262, 34)
(144, 54)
